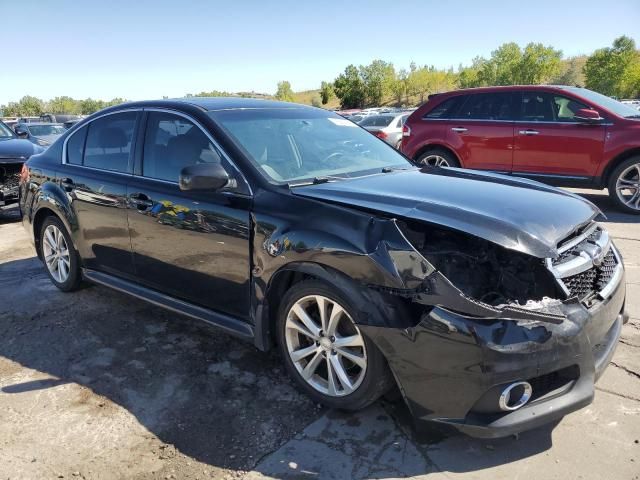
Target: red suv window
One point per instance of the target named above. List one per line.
(487, 106)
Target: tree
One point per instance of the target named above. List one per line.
(350, 88)
(400, 85)
(89, 106)
(27, 106)
(468, 77)
(316, 101)
(326, 92)
(378, 78)
(571, 72)
(614, 70)
(63, 105)
(284, 92)
(511, 65)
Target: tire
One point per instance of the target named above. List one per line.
(65, 272)
(438, 157)
(368, 383)
(624, 186)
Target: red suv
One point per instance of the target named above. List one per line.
(564, 136)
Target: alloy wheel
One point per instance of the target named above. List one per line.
(56, 253)
(325, 346)
(628, 186)
(435, 161)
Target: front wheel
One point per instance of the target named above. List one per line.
(437, 157)
(59, 255)
(324, 350)
(624, 186)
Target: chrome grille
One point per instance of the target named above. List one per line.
(586, 265)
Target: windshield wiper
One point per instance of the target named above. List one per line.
(318, 181)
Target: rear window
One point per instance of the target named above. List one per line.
(446, 109)
(377, 121)
(75, 146)
(108, 144)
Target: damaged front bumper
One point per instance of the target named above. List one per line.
(452, 367)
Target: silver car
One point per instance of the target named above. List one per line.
(386, 127)
(43, 134)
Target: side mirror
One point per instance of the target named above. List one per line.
(203, 176)
(588, 115)
(22, 133)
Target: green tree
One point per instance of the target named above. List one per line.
(63, 105)
(378, 78)
(400, 85)
(350, 89)
(89, 106)
(316, 101)
(27, 106)
(571, 72)
(284, 92)
(614, 70)
(468, 76)
(326, 92)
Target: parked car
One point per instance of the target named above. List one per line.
(564, 136)
(59, 117)
(13, 153)
(494, 302)
(28, 120)
(43, 134)
(70, 123)
(386, 127)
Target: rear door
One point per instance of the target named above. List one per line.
(482, 131)
(190, 245)
(97, 166)
(551, 145)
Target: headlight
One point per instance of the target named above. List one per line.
(483, 270)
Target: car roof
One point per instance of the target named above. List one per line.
(507, 88)
(231, 103)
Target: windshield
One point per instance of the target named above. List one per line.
(298, 144)
(609, 103)
(42, 130)
(5, 132)
(376, 121)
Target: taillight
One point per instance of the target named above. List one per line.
(406, 131)
(381, 134)
(24, 174)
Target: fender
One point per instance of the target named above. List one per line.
(51, 197)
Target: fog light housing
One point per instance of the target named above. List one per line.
(515, 396)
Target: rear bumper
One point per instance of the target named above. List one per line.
(451, 368)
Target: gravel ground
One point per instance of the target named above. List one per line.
(96, 384)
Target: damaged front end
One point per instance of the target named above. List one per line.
(9, 181)
(504, 341)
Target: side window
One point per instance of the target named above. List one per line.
(565, 108)
(446, 109)
(75, 147)
(109, 140)
(487, 106)
(171, 143)
(536, 107)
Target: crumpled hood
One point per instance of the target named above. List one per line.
(18, 148)
(518, 214)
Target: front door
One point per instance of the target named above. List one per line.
(482, 132)
(551, 145)
(190, 245)
(97, 167)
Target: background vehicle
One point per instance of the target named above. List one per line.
(386, 127)
(43, 134)
(59, 117)
(13, 153)
(302, 229)
(564, 136)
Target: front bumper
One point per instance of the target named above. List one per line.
(450, 368)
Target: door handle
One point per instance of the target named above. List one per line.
(459, 129)
(67, 184)
(528, 132)
(141, 201)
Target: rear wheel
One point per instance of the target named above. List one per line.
(438, 157)
(624, 185)
(59, 256)
(324, 350)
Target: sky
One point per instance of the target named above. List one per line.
(141, 49)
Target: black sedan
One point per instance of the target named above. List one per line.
(13, 153)
(493, 302)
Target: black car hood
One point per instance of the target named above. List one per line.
(17, 149)
(518, 214)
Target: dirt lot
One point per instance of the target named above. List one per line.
(96, 384)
